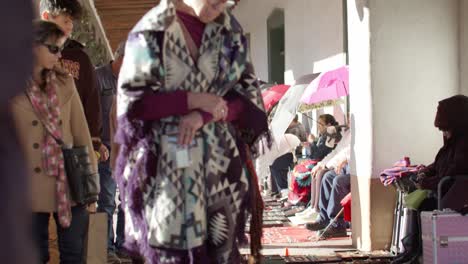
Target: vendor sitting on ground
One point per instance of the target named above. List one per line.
(336, 184)
(299, 189)
(283, 164)
(330, 162)
(452, 159)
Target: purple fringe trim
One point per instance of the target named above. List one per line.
(132, 135)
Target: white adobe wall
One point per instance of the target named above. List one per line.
(403, 60)
(360, 82)
(313, 33)
(414, 64)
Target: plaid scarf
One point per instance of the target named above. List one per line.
(46, 106)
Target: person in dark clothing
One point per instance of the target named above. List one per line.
(319, 147)
(336, 184)
(452, 158)
(107, 76)
(77, 63)
(281, 166)
(297, 129)
(279, 172)
(16, 245)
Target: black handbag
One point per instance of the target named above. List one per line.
(83, 183)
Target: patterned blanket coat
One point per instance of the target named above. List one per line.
(174, 213)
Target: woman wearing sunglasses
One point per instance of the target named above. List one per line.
(50, 109)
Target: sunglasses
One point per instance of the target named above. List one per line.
(54, 49)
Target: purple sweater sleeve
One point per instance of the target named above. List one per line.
(160, 105)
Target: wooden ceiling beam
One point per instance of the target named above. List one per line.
(118, 17)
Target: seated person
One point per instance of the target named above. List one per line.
(336, 184)
(318, 146)
(281, 166)
(279, 159)
(297, 129)
(452, 159)
(330, 162)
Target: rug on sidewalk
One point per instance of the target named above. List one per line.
(287, 235)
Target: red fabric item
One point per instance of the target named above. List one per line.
(194, 26)
(273, 95)
(346, 203)
(300, 193)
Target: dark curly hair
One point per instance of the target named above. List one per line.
(44, 30)
(57, 7)
(328, 119)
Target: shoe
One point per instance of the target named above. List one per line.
(310, 217)
(293, 211)
(311, 214)
(112, 258)
(306, 211)
(317, 225)
(333, 231)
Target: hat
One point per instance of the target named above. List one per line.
(451, 114)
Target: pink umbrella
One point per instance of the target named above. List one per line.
(273, 95)
(328, 86)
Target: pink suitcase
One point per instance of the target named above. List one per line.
(444, 234)
(445, 237)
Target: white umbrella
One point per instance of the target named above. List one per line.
(287, 143)
(287, 106)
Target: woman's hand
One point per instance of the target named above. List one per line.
(317, 170)
(188, 126)
(340, 167)
(91, 208)
(103, 153)
(210, 103)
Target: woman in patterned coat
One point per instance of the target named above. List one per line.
(189, 114)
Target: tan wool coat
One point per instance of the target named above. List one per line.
(31, 136)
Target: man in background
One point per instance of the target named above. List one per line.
(107, 77)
